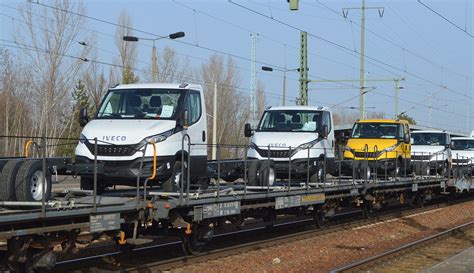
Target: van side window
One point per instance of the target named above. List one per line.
(193, 105)
(327, 120)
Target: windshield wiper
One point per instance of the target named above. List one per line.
(111, 115)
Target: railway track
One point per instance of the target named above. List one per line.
(146, 259)
(418, 255)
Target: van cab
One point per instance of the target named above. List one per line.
(298, 140)
(378, 145)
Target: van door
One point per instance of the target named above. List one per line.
(197, 132)
(329, 142)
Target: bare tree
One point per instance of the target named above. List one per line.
(171, 68)
(127, 50)
(261, 100)
(232, 105)
(47, 43)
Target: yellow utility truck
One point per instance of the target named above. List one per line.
(378, 146)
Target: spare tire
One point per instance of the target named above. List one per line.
(30, 181)
(7, 180)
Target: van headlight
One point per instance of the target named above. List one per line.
(156, 138)
(83, 139)
(391, 148)
(304, 146)
(253, 146)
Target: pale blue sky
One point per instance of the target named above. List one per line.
(443, 53)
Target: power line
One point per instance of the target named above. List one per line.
(177, 41)
(446, 19)
(390, 41)
(342, 47)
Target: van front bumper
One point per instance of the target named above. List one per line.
(128, 171)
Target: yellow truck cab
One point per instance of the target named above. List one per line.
(378, 146)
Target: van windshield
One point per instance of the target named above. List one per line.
(463, 144)
(291, 121)
(141, 104)
(377, 130)
(434, 139)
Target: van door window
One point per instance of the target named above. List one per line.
(193, 105)
(327, 120)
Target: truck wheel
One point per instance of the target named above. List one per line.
(174, 182)
(267, 173)
(320, 175)
(253, 173)
(444, 169)
(30, 181)
(7, 180)
(397, 171)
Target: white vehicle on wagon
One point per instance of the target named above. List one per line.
(431, 152)
(294, 139)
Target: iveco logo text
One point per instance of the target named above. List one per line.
(277, 144)
(114, 138)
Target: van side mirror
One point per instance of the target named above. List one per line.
(406, 139)
(325, 131)
(83, 117)
(247, 130)
(451, 145)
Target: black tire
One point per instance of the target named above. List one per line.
(29, 175)
(444, 169)
(355, 169)
(172, 184)
(320, 220)
(267, 175)
(7, 180)
(253, 173)
(397, 171)
(365, 171)
(320, 175)
(367, 209)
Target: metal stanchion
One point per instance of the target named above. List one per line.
(45, 183)
(95, 175)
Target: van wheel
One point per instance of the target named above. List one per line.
(396, 172)
(7, 180)
(174, 182)
(30, 182)
(253, 173)
(444, 169)
(267, 173)
(320, 175)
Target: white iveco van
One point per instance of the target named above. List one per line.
(430, 152)
(129, 117)
(463, 152)
(293, 136)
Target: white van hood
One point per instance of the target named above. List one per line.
(124, 131)
(426, 149)
(281, 139)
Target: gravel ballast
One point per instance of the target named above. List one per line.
(325, 252)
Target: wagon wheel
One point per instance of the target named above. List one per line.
(367, 209)
(320, 220)
(190, 242)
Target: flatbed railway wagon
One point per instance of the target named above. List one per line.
(36, 234)
(144, 175)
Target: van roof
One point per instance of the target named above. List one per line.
(382, 121)
(462, 138)
(429, 131)
(159, 86)
(298, 107)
